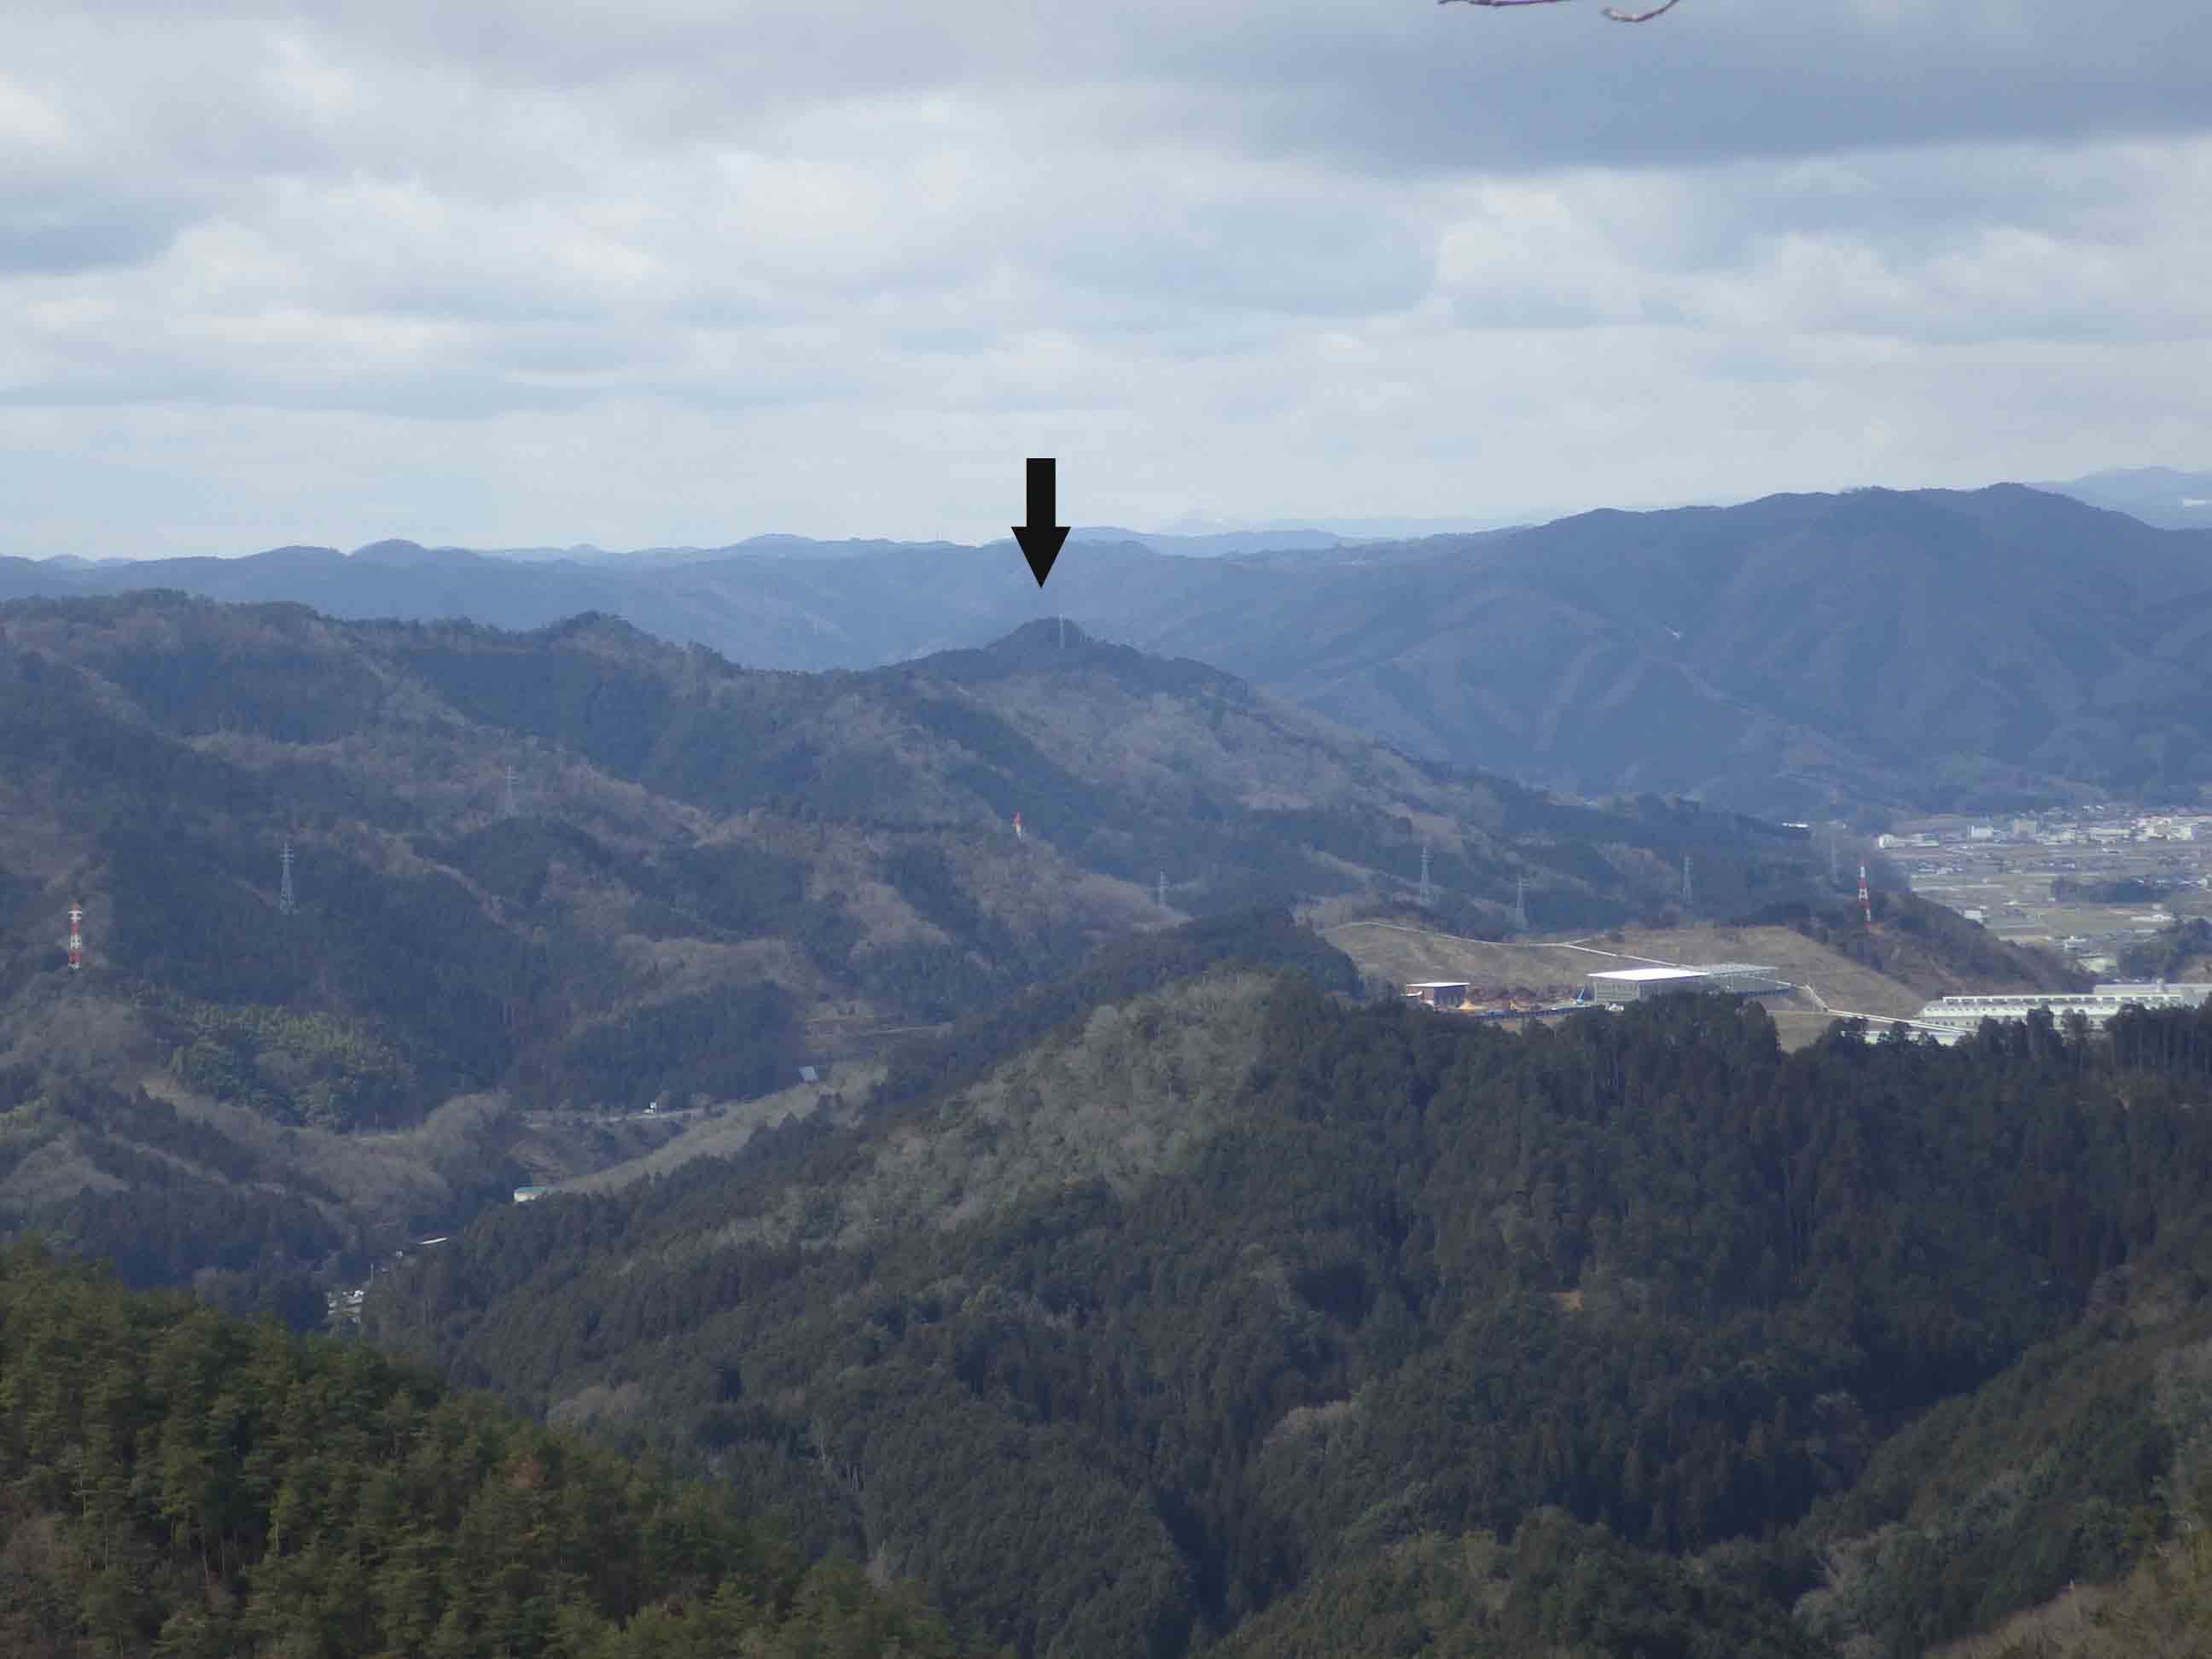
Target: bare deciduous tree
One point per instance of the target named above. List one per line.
(1618, 17)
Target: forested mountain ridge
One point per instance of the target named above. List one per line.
(1788, 655)
(1792, 654)
(184, 1484)
(675, 822)
(700, 878)
(1726, 1349)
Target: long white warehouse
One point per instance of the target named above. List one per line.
(2097, 1006)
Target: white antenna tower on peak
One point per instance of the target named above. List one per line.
(506, 806)
(1163, 890)
(285, 902)
(1521, 902)
(1428, 892)
(1687, 899)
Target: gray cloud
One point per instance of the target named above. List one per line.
(673, 271)
(50, 242)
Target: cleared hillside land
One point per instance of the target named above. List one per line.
(1405, 954)
(724, 1134)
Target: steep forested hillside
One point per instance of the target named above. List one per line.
(1635, 1334)
(179, 1483)
(1790, 655)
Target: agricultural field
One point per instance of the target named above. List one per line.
(2009, 889)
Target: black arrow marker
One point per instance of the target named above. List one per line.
(1040, 539)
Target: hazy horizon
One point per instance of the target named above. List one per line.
(1186, 525)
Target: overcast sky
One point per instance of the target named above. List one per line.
(652, 271)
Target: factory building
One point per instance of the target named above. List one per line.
(1742, 979)
(1644, 984)
(1438, 993)
(2097, 1006)
(2142, 991)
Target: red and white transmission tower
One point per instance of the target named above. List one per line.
(76, 937)
(1017, 826)
(1866, 899)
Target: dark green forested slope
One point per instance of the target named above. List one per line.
(2182, 949)
(179, 1483)
(1558, 1589)
(121, 1176)
(705, 866)
(1209, 1294)
(2045, 1486)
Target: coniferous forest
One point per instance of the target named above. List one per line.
(178, 1482)
(1637, 1334)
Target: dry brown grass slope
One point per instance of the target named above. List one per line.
(1405, 954)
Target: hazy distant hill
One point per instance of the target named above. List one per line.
(1788, 652)
(1786, 656)
(2156, 494)
(1211, 542)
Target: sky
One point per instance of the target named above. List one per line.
(649, 272)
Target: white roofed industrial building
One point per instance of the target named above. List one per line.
(2097, 1006)
(1641, 984)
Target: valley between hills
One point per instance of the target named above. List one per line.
(1136, 1274)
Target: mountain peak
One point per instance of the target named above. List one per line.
(1045, 634)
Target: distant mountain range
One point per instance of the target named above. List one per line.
(1191, 541)
(1210, 544)
(1797, 655)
